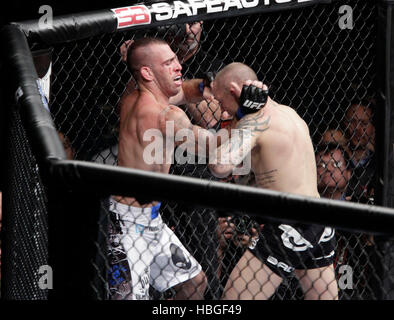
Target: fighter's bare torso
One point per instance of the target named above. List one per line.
(140, 112)
(283, 156)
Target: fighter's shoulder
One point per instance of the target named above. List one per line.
(291, 119)
(258, 124)
(271, 121)
(145, 105)
(282, 107)
(171, 112)
(286, 112)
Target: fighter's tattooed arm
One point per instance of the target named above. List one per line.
(256, 123)
(177, 127)
(243, 139)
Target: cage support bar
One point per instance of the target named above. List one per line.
(147, 15)
(273, 205)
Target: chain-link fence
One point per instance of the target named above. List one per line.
(25, 236)
(321, 61)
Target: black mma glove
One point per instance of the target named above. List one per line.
(252, 99)
(207, 80)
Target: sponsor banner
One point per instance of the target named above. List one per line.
(164, 11)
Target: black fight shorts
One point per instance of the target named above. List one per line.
(284, 248)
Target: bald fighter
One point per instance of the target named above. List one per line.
(282, 159)
(143, 250)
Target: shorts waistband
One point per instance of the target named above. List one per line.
(125, 209)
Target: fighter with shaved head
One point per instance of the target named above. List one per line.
(282, 158)
(143, 250)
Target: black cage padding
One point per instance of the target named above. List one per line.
(77, 26)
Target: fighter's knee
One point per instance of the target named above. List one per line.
(201, 281)
(193, 289)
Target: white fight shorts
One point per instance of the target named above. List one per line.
(143, 251)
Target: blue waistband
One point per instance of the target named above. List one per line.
(155, 211)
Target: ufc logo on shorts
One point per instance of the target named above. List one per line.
(252, 105)
(129, 16)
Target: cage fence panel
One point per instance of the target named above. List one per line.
(323, 69)
(25, 220)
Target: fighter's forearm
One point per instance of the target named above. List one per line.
(231, 153)
(190, 93)
(192, 90)
(200, 142)
(205, 114)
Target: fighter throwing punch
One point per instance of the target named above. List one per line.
(143, 250)
(282, 159)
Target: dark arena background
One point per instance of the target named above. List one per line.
(329, 60)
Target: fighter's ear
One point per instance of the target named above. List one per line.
(213, 85)
(146, 73)
(235, 90)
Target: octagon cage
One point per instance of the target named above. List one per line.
(65, 200)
